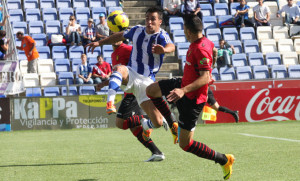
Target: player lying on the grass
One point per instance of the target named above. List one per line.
(150, 43)
(129, 114)
(190, 93)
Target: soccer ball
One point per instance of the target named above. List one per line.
(117, 21)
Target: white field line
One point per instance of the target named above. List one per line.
(268, 137)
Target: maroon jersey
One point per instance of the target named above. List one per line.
(198, 58)
(121, 55)
(102, 70)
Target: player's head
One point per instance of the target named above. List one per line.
(20, 35)
(153, 19)
(83, 58)
(192, 26)
(100, 59)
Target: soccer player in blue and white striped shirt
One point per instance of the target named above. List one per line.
(150, 43)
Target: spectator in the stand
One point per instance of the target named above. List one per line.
(224, 54)
(84, 72)
(4, 46)
(73, 31)
(171, 7)
(3, 22)
(102, 30)
(241, 15)
(101, 71)
(193, 7)
(89, 34)
(292, 13)
(28, 45)
(233, 1)
(262, 14)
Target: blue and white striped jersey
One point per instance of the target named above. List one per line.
(142, 60)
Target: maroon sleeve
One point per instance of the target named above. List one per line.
(202, 59)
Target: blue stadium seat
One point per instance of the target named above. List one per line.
(87, 90)
(247, 33)
(59, 52)
(294, 71)
(65, 13)
(213, 34)
(261, 72)
(255, 59)
(32, 15)
(83, 24)
(230, 34)
(80, 3)
(183, 60)
(206, 9)
(112, 3)
(179, 37)
(33, 92)
(31, 4)
(47, 4)
(44, 52)
(221, 9)
(243, 73)
(209, 22)
(215, 74)
(76, 51)
(36, 27)
(82, 13)
(298, 4)
(40, 39)
(237, 46)
(16, 15)
(176, 23)
(239, 60)
(233, 8)
(75, 63)
(64, 25)
(96, 11)
(97, 51)
(63, 4)
(52, 27)
(72, 91)
(51, 91)
(217, 44)
(2, 95)
(20, 26)
(92, 61)
(62, 65)
(273, 58)
(227, 73)
(14, 4)
(96, 3)
(279, 72)
(182, 48)
(226, 21)
(251, 46)
(21, 55)
(64, 76)
(49, 14)
(111, 9)
(107, 50)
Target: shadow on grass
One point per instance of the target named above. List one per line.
(62, 164)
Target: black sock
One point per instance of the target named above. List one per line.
(164, 109)
(220, 158)
(148, 144)
(225, 110)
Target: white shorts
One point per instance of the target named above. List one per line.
(137, 85)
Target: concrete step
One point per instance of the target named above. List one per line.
(132, 15)
(139, 3)
(169, 66)
(134, 22)
(135, 9)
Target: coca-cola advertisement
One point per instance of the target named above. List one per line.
(256, 105)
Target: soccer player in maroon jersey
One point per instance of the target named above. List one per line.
(129, 114)
(190, 93)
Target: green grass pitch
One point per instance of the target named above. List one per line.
(114, 154)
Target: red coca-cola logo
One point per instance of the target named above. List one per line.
(263, 106)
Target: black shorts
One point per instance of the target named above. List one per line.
(129, 106)
(210, 97)
(188, 110)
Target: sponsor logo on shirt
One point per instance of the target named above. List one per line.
(204, 61)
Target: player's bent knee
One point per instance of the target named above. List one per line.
(152, 90)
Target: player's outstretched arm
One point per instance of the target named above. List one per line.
(159, 49)
(109, 40)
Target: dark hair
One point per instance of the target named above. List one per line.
(20, 33)
(2, 33)
(155, 9)
(193, 23)
(99, 56)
